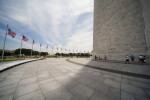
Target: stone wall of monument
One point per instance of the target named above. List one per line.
(119, 29)
(146, 14)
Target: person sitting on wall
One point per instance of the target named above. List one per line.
(100, 58)
(127, 59)
(95, 57)
(132, 58)
(144, 59)
(140, 59)
(105, 57)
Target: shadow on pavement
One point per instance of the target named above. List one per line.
(58, 79)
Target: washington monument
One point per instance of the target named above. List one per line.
(121, 27)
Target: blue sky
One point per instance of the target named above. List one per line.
(58, 23)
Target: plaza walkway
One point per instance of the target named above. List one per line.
(60, 79)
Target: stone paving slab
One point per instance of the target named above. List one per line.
(57, 79)
(37, 95)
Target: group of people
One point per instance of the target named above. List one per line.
(142, 59)
(105, 58)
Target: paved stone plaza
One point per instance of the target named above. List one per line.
(58, 79)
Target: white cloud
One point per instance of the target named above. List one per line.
(54, 21)
(81, 41)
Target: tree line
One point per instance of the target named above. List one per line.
(26, 52)
(73, 54)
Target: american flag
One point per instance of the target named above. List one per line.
(10, 32)
(33, 42)
(24, 38)
(47, 46)
(40, 44)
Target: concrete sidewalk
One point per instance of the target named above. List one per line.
(6, 65)
(58, 79)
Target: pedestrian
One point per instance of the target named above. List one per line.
(95, 57)
(105, 57)
(99, 58)
(127, 59)
(144, 59)
(140, 59)
(132, 58)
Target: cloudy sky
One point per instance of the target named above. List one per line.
(63, 23)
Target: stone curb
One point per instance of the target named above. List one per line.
(7, 65)
(133, 74)
(122, 62)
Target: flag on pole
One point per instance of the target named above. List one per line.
(4, 44)
(10, 32)
(47, 46)
(24, 38)
(40, 44)
(33, 42)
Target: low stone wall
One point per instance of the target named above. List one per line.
(6, 65)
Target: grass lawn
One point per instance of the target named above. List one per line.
(12, 58)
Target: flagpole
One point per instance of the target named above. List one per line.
(57, 49)
(52, 50)
(21, 45)
(61, 51)
(46, 50)
(40, 48)
(4, 44)
(31, 49)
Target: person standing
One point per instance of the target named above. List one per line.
(132, 58)
(144, 59)
(105, 57)
(95, 57)
(140, 59)
(127, 59)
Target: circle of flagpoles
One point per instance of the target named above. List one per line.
(24, 38)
